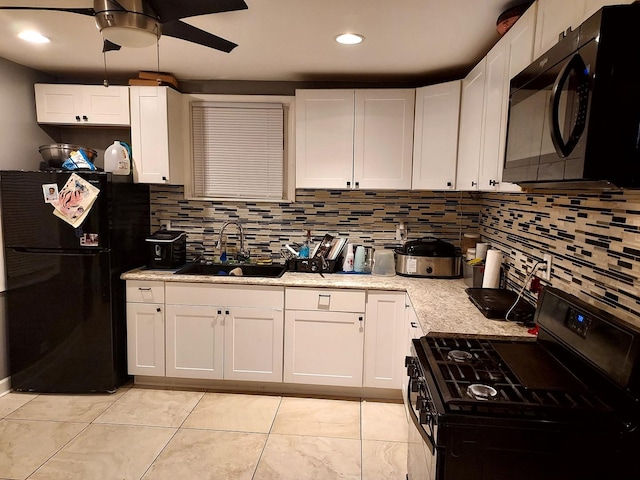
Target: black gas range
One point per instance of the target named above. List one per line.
(564, 405)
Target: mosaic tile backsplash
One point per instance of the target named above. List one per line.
(594, 238)
(365, 217)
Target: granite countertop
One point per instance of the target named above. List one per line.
(440, 304)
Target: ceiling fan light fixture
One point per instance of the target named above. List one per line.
(349, 38)
(33, 37)
(128, 29)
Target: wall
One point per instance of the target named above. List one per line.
(594, 238)
(366, 217)
(20, 137)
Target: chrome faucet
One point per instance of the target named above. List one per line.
(242, 254)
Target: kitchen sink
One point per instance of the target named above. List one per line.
(248, 270)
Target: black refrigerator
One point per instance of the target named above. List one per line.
(64, 299)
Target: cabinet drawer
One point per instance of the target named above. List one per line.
(325, 299)
(145, 291)
(179, 293)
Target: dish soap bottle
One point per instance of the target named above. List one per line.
(117, 158)
(304, 250)
(347, 265)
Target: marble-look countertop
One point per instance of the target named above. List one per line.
(441, 304)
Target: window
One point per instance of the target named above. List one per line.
(239, 151)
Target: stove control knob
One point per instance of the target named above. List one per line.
(423, 410)
(417, 386)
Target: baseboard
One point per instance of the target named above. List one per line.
(5, 386)
(232, 386)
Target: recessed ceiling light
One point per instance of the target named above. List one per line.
(33, 37)
(349, 38)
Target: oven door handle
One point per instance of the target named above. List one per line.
(575, 65)
(426, 436)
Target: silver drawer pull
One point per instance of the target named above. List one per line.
(146, 289)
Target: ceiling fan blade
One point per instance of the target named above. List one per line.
(109, 46)
(189, 33)
(169, 10)
(82, 11)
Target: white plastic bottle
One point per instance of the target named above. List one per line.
(117, 159)
(347, 265)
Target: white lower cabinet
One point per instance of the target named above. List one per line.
(324, 336)
(253, 346)
(384, 340)
(145, 328)
(195, 341)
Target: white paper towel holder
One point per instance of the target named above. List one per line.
(492, 269)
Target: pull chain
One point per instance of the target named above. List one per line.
(105, 82)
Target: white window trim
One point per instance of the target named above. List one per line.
(289, 150)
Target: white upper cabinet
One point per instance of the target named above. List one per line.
(348, 139)
(435, 138)
(470, 133)
(82, 104)
(157, 130)
(555, 17)
(485, 106)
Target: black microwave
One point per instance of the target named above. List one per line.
(574, 113)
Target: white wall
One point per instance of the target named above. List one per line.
(20, 137)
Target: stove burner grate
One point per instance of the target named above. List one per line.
(459, 365)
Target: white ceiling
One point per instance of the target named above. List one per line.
(279, 40)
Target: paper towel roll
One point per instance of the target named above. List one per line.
(481, 250)
(492, 264)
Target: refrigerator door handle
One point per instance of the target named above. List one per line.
(55, 251)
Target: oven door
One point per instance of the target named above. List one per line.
(421, 458)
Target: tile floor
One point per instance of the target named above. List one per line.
(157, 434)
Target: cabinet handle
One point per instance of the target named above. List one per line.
(348, 184)
(361, 319)
(219, 312)
(357, 184)
(84, 117)
(158, 309)
(473, 184)
(493, 183)
(144, 289)
(164, 179)
(414, 325)
(77, 118)
(449, 184)
(226, 312)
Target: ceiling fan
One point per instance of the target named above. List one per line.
(140, 23)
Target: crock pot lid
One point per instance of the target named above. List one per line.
(428, 247)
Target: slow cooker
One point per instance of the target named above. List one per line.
(428, 257)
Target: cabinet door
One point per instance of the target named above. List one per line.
(383, 143)
(145, 339)
(157, 144)
(494, 117)
(553, 18)
(435, 140)
(253, 347)
(384, 340)
(323, 348)
(324, 138)
(470, 135)
(58, 103)
(195, 341)
(106, 106)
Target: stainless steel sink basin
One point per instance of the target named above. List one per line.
(248, 270)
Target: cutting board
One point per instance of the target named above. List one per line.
(494, 303)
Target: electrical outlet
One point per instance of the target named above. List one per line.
(546, 273)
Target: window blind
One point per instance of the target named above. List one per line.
(238, 150)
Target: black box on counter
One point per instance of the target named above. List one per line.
(167, 249)
(314, 265)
